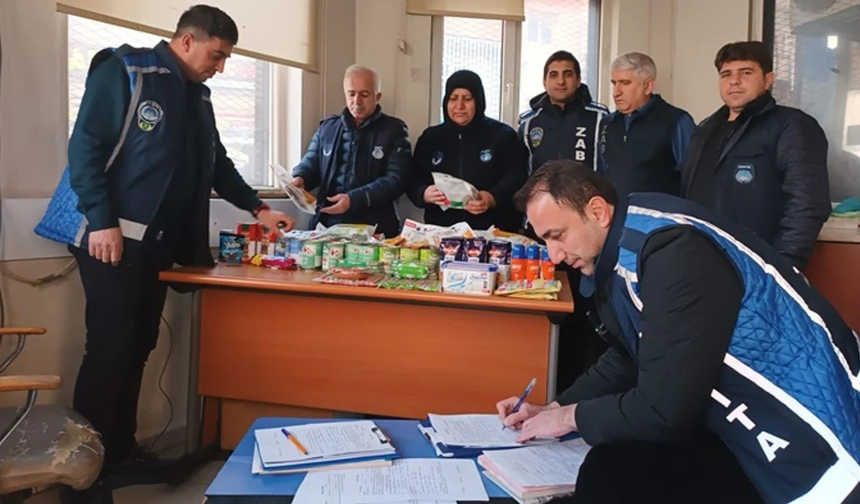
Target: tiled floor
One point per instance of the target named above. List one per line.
(189, 493)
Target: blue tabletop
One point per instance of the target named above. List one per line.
(235, 478)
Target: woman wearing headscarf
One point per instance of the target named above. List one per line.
(470, 146)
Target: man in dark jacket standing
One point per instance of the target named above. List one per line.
(562, 122)
(758, 163)
(359, 159)
(642, 143)
(144, 157)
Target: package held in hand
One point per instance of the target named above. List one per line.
(305, 201)
(457, 191)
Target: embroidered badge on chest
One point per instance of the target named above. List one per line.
(377, 153)
(437, 158)
(149, 114)
(486, 155)
(744, 173)
(535, 137)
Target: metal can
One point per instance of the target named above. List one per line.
(331, 253)
(547, 267)
(409, 254)
(353, 250)
(368, 253)
(311, 254)
(431, 258)
(387, 255)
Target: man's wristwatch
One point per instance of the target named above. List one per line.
(260, 208)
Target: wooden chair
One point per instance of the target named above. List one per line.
(43, 445)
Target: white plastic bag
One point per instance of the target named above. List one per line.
(457, 191)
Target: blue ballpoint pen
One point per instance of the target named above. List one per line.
(523, 398)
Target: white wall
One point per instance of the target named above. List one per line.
(683, 37)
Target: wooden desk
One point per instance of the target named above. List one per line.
(279, 338)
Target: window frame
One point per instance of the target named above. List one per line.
(512, 35)
(284, 114)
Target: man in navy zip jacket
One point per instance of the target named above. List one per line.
(642, 143)
(144, 157)
(758, 163)
(562, 121)
(359, 159)
(728, 378)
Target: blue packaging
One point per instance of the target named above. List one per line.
(231, 248)
(282, 247)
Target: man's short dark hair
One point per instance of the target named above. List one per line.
(210, 21)
(752, 50)
(562, 56)
(568, 183)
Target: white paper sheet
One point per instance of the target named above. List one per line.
(549, 465)
(480, 431)
(406, 480)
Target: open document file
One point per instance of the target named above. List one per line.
(421, 480)
(322, 443)
(475, 431)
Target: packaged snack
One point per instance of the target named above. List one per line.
(231, 247)
(268, 238)
(282, 246)
(430, 257)
(457, 191)
(371, 281)
(387, 255)
(277, 262)
(251, 231)
(476, 250)
(408, 254)
(411, 269)
(451, 249)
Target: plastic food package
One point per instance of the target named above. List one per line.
(427, 285)
(371, 281)
(457, 191)
(530, 289)
(410, 269)
(469, 278)
(305, 201)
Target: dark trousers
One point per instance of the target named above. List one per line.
(700, 470)
(123, 312)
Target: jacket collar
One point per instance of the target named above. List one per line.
(162, 50)
(580, 98)
(641, 111)
(608, 257)
(349, 122)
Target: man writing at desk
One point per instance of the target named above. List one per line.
(359, 159)
(728, 378)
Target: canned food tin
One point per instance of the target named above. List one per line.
(331, 253)
(311, 254)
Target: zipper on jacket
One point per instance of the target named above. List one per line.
(460, 149)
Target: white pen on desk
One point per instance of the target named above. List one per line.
(522, 398)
